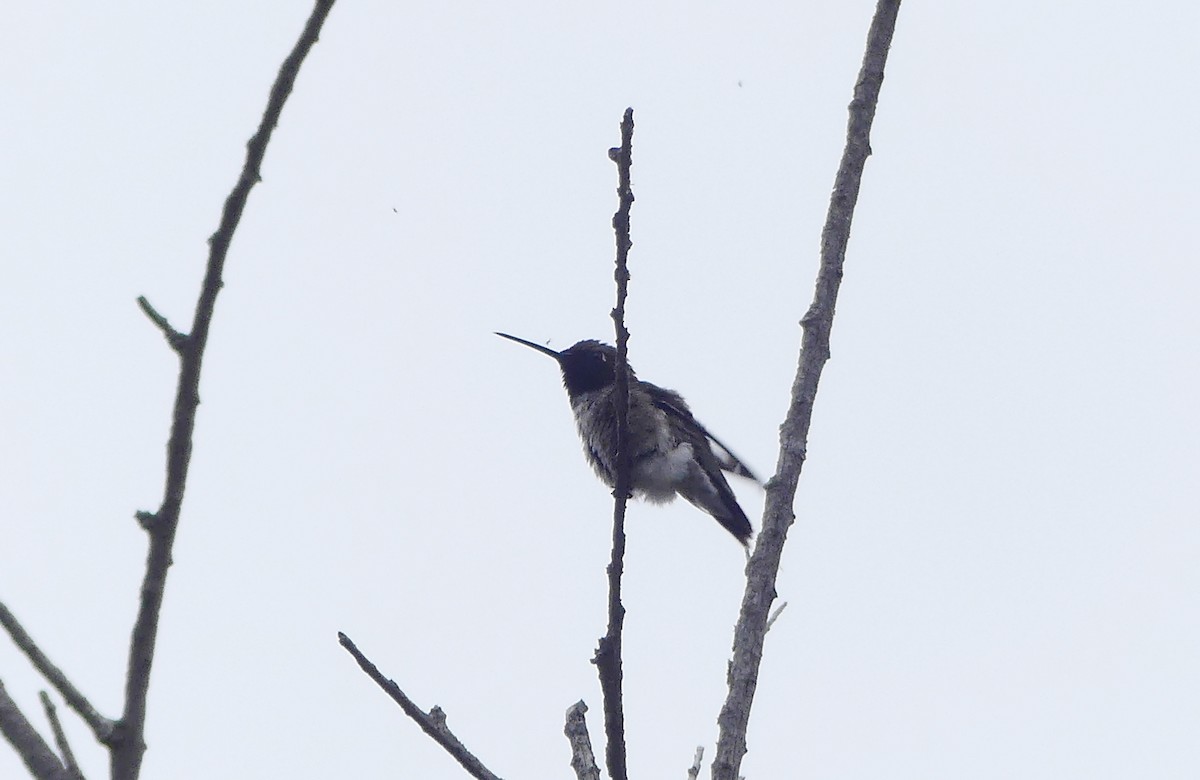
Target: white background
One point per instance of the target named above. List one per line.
(993, 573)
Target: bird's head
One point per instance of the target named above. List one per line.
(587, 365)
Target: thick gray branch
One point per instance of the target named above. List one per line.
(818, 321)
(583, 760)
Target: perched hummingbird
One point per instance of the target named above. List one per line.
(670, 451)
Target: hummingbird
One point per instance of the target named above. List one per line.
(670, 452)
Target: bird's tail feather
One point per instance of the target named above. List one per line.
(715, 497)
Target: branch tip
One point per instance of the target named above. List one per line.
(60, 737)
(37, 756)
(176, 339)
(775, 616)
(694, 770)
(583, 760)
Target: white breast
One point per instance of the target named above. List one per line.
(657, 478)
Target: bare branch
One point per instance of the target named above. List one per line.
(432, 723)
(128, 746)
(583, 760)
(20, 733)
(694, 770)
(60, 737)
(176, 339)
(817, 322)
(608, 653)
(101, 726)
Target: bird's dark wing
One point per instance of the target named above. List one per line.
(673, 404)
(705, 485)
(727, 459)
(599, 466)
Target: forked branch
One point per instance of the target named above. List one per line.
(60, 737)
(101, 726)
(38, 757)
(124, 737)
(128, 745)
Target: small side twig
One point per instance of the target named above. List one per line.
(774, 616)
(60, 737)
(176, 339)
(101, 726)
(608, 653)
(583, 760)
(38, 757)
(432, 723)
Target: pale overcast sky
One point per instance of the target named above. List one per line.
(993, 573)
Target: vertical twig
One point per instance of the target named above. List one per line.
(608, 653)
(127, 744)
(781, 490)
(60, 737)
(583, 760)
(694, 770)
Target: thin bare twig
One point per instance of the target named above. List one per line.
(583, 760)
(608, 653)
(176, 339)
(793, 438)
(432, 723)
(60, 737)
(128, 746)
(101, 726)
(774, 616)
(38, 757)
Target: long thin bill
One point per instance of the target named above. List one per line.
(530, 344)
